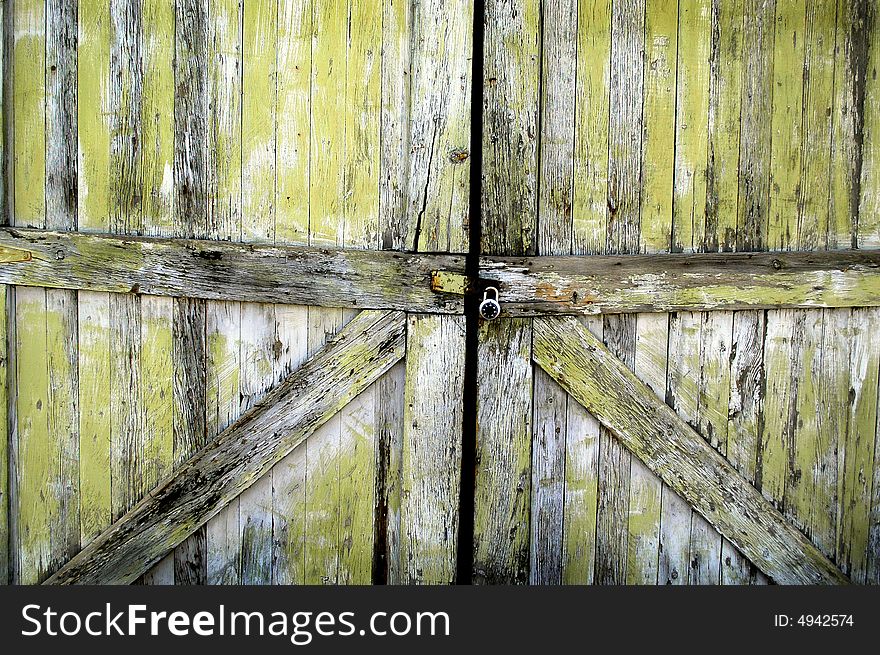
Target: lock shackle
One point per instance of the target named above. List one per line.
(488, 289)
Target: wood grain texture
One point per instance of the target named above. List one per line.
(61, 306)
(511, 80)
(431, 461)
(689, 282)
(190, 160)
(549, 402)
(504, 434)
(625, 128)
(94, 125)
(689, 465)
(370, 345)
(502, 496)
(209, 270)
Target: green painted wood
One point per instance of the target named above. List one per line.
(679, 455)
(243, 453)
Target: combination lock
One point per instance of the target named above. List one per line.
(490, 308)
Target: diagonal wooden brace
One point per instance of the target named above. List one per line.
(652, 430)
(370, 345)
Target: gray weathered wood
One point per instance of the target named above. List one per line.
(652, 431)
(191, 221)
(230, 271)
(691, 282)
(431, 457)
(240, 455)
(511, 81)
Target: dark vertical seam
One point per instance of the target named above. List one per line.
(465, 550)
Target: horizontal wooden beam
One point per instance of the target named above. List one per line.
(238, 457)
(685, 461)
(222, 270)
(533, 286)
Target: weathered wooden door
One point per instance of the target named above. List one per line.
(683, 126)
(198, 194)
(321, 123)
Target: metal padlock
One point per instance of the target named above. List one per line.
(490, 308)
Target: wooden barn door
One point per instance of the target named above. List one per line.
(327, 123)
(686, 126)
(727, 437)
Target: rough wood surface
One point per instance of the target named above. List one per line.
(502, 495)
(190, 160)
(680, 456)
(239, 456)
(231, 271)
(431, 462)
(688, 282)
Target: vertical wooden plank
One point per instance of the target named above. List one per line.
(361, 120)
(646, 489)
(223, 319)
(223, 341)
(511, 80)
(658, 165)
(127, 447)
(558, 72)
(682, 394)
(743, 427)
(93, 205)
(748, 373)
(291, 226)
(818, 101)
(694, 230)
(258, 224)
(863, 62)
(783, 345)
(856, 545)
(847, 118)
(321, 553)
(787, 124)
(397, 25)
(330, 24)
(34, 466)
(713, 404)
(581, 487)
(439, 128)
(782, 353)
(691, 126)
(624, 201)
(725, 104)
(61, 305)
(5, 506)
(432, 454)
(658, 146)
(190, 49)
(293, 78)
(289, 475)
(5, 296)
(811, 488)
(504, 417)
(157, 132)
(722, 199)
(257, 373)
(589, 219)
(755, 130)
(593, 89)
